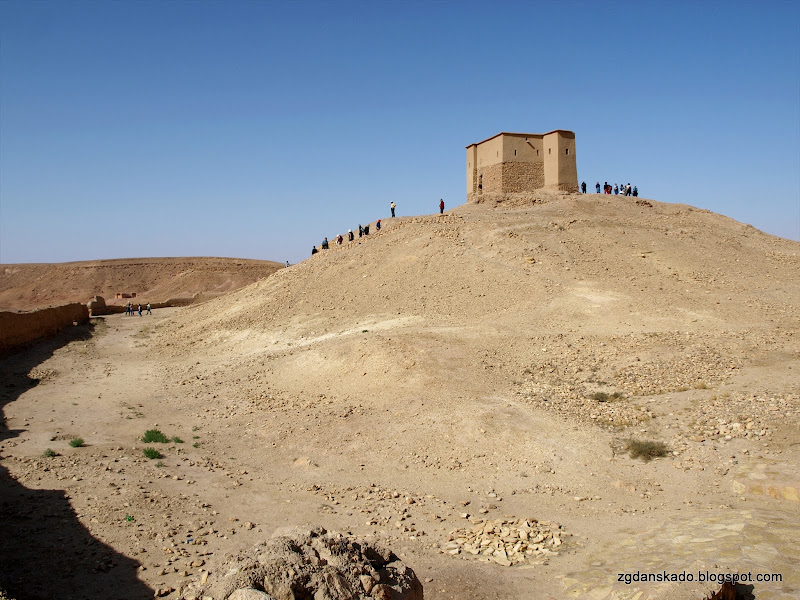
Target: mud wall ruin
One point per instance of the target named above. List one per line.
(20, 328)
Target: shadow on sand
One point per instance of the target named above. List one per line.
(45, 551)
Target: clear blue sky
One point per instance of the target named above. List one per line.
(252, 129)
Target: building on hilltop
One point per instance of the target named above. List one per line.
(509, 163)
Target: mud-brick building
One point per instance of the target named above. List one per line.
(509, 163)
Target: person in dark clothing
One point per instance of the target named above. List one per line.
(360, 231)
(350, 235)
(325, 244)
(635, 191)
(441, 206)
(314, 250)
(378, 225)
(366, 230)
(583, 187)
(597, 185)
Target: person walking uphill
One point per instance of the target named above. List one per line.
(583, 187)
(393, 206)
(441, 206)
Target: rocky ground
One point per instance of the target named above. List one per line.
(465, 391)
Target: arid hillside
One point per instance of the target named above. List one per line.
(28, 286)
(480, 392)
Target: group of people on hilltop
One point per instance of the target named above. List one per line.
(362, 230)
(625, 190)
(130, 310)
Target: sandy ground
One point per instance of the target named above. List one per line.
(438, 375)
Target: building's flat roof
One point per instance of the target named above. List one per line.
(522, 134)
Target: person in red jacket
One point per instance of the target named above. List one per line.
(441, 206)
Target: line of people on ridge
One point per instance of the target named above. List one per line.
(623, 189)
(339, 239)
(362, 230)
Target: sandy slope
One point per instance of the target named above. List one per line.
(28, 286)
(443, 371)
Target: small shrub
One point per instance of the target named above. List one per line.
(152, 453)
(196, 444)
(701, 385)
(646, 450)
(603, 397)
(76, 442)
(50, 453)
(176, 440)
(160, 464)
(154, 435)
(195, 437)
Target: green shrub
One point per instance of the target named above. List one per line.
(154, 435)
(646, 450)
(152, 453)
(160, 464)
(50, 453)
(76, 442)
(177, 440)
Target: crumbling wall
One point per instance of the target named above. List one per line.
(20, 328)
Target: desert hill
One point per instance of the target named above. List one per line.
(473, 391)
(27, 286)
(581, 265)
(455, 355)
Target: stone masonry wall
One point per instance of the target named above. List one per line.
(492, 178)
(18, 329)
(522, 176)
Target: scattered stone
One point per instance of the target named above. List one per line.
(507, 542)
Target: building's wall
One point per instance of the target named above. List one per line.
(472, 169)
(18, 329)
(489, 171)
(522, 176)
(490, 179)
(560, 164)
(522, 148)
(523, 163)
(490, 152)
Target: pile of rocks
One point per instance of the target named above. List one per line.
(507, 542)
(310, 564)
(744, 416)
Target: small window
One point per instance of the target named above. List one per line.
(515, 152)
(549, 150)
(537, 153)
(567, 150)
